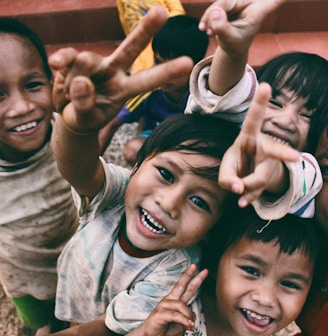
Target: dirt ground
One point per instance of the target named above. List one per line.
(10, 324)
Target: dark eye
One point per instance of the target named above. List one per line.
(167, 175)
(200, 203)
(307, 114)
(34, 85)
(2, 95)
(250, 270)
(274, 103)
(290, 284)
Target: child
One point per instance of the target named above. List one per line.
(131, 12)
(264, 275)
(147, 226)
(299, 94)
(137, 230)
(37, 211)
(178, 37)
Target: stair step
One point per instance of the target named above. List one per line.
(94, 25)
(79, 21)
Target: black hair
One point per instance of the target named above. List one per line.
(16, 27)
(191, 133)
(306, 76)
(180, 36)
(291, 233)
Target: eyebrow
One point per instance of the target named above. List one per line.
(261, 262)
(175, 166)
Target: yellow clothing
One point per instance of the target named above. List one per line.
(131, 13)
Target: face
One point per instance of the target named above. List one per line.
(169, 206)
(321, 200)
(25, 99)
(288, 120)
(260, 290)
(175, 88)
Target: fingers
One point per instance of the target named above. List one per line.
(188, 284)
(254, 118)
(137, 40)
(82, 94)
(62, 58)
(278, 151)
(229, 178)
(149, 79)
(194, 285)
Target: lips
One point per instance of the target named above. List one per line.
(25, 127)
(256, 319)
(150, 223)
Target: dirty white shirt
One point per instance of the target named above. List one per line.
(37, 217)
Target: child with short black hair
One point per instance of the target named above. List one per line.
(131, 12)
(179, 36)
(262, 274)
(37, 211)
(224, 85)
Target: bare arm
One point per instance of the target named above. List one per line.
(89, 90)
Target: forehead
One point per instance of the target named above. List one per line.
(18, 48)
(268, 255)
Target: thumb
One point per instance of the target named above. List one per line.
(82, 94)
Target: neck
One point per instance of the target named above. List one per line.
(214, 324)
(129, 248)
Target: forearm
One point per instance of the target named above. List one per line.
(226, 71)
(77, 158)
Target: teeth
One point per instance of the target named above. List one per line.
(254, 315)
(150, 223)
(284, 142)
(25, 127)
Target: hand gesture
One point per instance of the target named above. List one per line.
(90, 89)
(235, 23)
(255, 162)
(172, 315)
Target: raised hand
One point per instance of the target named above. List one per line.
(255, 162)
(90, 89)
(172, 315)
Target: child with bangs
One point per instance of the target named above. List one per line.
(224, 85)
(261, 275)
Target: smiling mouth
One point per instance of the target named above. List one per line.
(150, 223)
(25, 127)
(256, 319)
(279, 140)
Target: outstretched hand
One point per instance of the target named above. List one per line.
(172, 315)
(255, 162)
(236, 22)
(89, 89)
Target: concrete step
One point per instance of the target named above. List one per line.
(94, 25)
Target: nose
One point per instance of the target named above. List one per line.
(264, 295)
(287, 118)
(170, 200)
(21, 104)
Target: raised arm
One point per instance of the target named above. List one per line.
(235, 24)
(89, 90)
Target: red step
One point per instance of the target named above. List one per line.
(94, 25)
